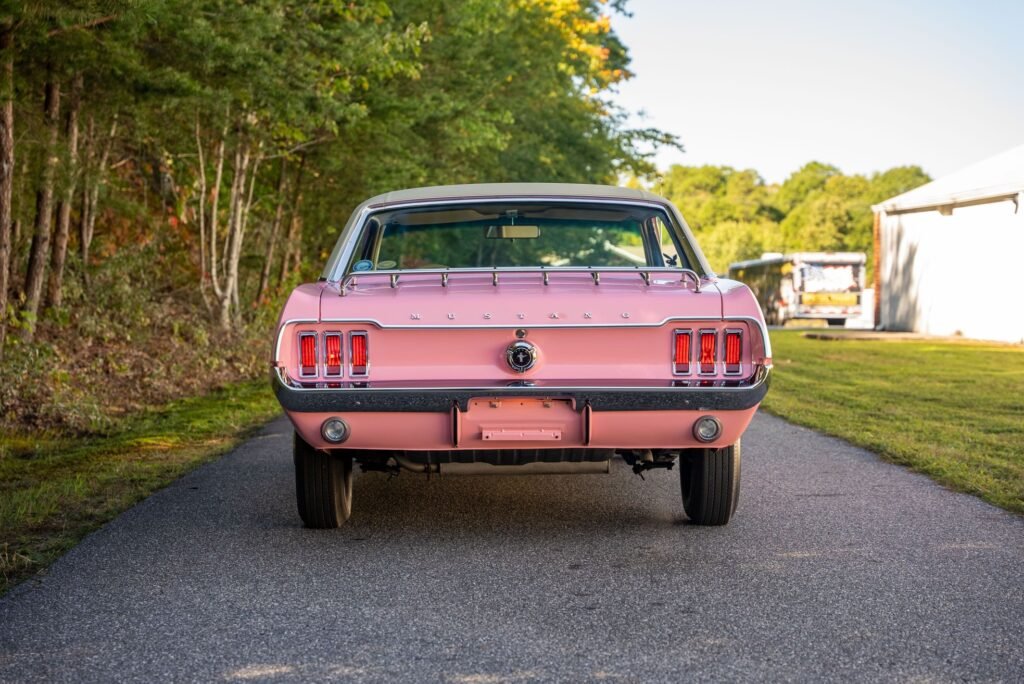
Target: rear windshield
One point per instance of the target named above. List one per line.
(506, 234)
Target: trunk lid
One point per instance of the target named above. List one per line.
(619, 331)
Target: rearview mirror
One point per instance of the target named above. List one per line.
(513, 232)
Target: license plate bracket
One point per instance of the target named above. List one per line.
(519, 422)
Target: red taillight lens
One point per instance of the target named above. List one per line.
(332, 353)
(307, 350)
(682, 357)
(707, 351)
(360, 353)
(733, 348)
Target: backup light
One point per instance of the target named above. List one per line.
(334, 430)
(707, 429)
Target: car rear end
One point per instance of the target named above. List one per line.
(602, 382)
(537, 368)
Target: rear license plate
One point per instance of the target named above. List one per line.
(518, 422)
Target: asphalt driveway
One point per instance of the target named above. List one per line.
(837, 566)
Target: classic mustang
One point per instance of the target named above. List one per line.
(519, 328)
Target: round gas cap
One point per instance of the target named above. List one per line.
(521, 356)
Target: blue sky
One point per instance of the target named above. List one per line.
(862, 85)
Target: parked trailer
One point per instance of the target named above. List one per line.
(806, 285)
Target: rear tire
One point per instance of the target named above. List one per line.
(323, 486)
(710, 483)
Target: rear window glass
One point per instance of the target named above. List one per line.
(515, 235)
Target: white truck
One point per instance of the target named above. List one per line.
(806, 285)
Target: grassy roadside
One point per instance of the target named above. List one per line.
(55, 490)
(951, 410)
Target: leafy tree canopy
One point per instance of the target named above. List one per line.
(736, 216)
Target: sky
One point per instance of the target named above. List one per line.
(863, 85)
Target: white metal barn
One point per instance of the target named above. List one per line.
(949, 255)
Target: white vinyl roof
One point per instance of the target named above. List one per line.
(997, 178)
(503, 190)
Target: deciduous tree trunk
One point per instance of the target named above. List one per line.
(224, 267)
(275, 229)
(214, 198)
(12, 271)
(228, 294)
(54, 292)
(291, 249)
(6, 168)
(201, 214)
(243, 224)
(295, 237)
(91, 192)
(39, 254)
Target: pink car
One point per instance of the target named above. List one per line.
(519, 328)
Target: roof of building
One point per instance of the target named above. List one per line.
(997, 178)
(498, 190)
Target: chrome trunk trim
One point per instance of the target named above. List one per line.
(351, 281)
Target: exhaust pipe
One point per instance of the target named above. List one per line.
(535, 468)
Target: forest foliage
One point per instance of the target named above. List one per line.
(168, 168)
(735, 215)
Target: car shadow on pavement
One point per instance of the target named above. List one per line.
(523, 505)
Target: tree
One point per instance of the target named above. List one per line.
(49, 38)
(731, 212)
(736, 216)
(253, 96)
(6, 166)
(732, 241)
(40, 251)
(801, 183)
(63, 232)
(896, 181)
(835, 217)
(838, 215)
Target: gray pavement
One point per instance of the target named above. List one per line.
(836, 567)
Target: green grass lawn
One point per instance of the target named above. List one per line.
(54, 491)
(951, 410)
